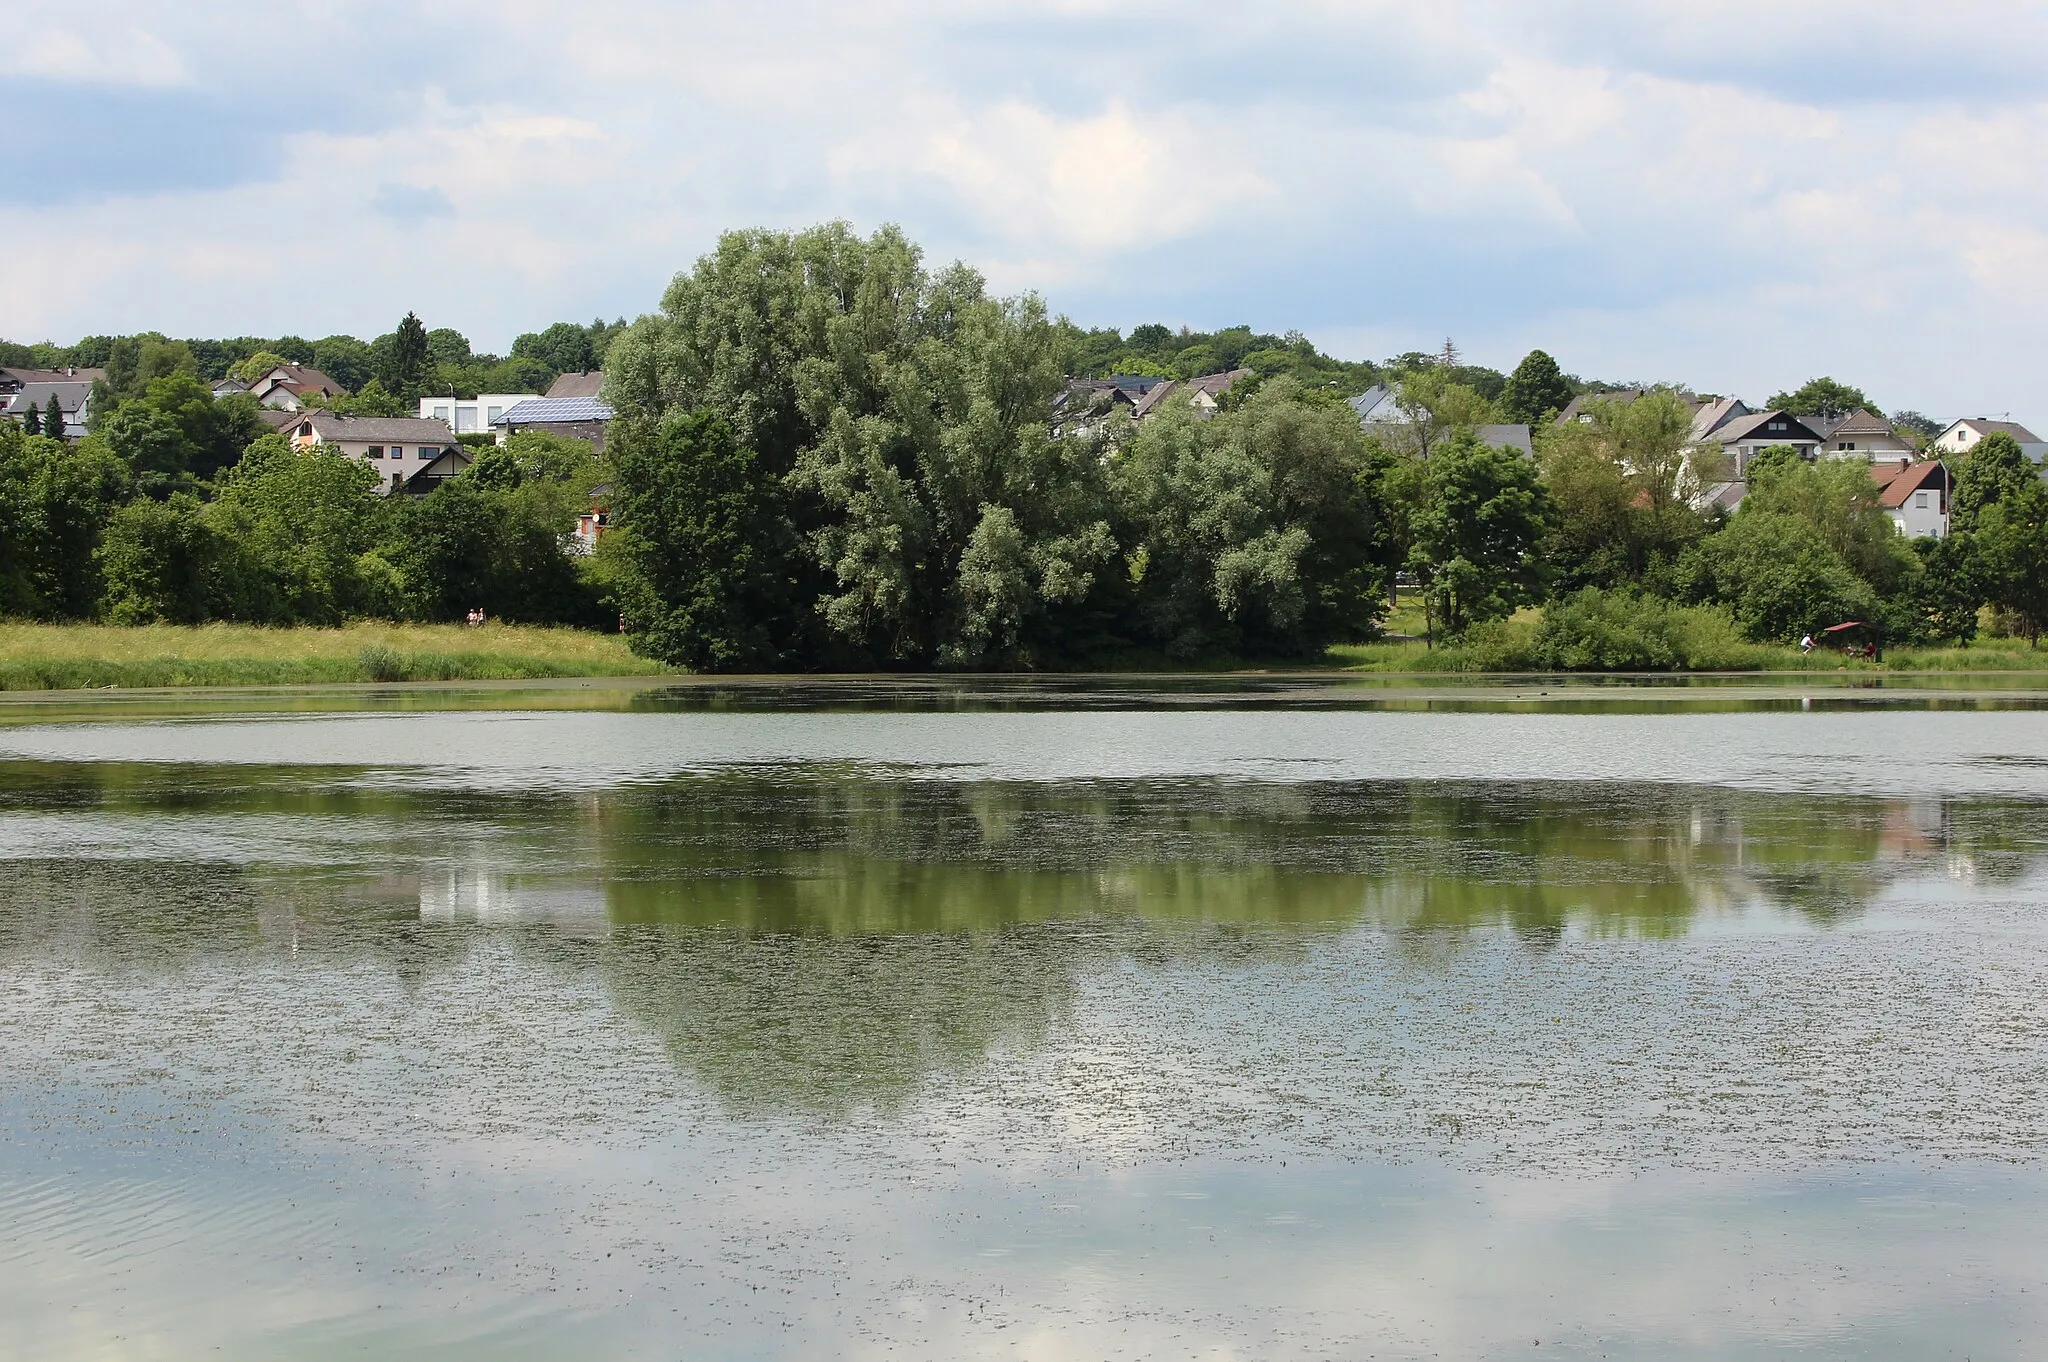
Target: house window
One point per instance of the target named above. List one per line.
(1777, 425)
(495, 413)
(1920, 500)
(306, 430)
(440, 413)
(376, 451)
(1846, 444)
(398, 451)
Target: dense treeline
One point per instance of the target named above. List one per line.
(829, 456)
(826, 455)
(122, 527)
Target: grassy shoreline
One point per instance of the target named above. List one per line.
(98, 657)
(39, 657)
(1416, 658)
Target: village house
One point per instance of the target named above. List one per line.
(1747, 436)
(582, 383)
(1861, 435)
(472, 415)
(288, 385)
(577, 418)
(1381, 416)
(1086, 405)
(594, 522)
(1204, 394)
(1962, 436)
(1916, 496)
(74, 400)
(400, 448)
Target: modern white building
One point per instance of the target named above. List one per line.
(472, 415)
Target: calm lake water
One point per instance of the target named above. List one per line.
(1083, 1020)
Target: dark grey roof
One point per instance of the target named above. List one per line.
(397, 430)
(1513, 437)
(548, 411)
(587, 383)
(1756, 426)
(71, 394)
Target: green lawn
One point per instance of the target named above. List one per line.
(82, 656)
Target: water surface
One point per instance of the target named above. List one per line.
(847, 1023)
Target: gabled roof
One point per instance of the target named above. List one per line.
(397, 430)
(1149, 403)
(1757, 427)
(71, 395)
(1217, 384)
(1858, 422)
(1376, 404)
(1898, 484)
(1515, 437)
(1984, 427)
(545, 411)
(1715, 413)
(298, 378)
(1576, 408)
(584, 383)
(1722, 496)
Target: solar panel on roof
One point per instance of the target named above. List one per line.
(539, 410)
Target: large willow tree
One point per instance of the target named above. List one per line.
(890, 476)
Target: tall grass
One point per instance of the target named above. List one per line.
(78, 657)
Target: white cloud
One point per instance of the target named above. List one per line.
(128, 56)
(1614, 181)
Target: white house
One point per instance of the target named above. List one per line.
(472, 415)
(74, 399)
(1861, 435)
(398, 447)
(1916, 496)
(1962, 436)
(286, 386)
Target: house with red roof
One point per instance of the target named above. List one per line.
(1916, 496)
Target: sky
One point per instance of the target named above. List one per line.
(1737, 196)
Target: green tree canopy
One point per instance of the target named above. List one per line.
(700, 525)
(404, 357)
(257, 365)
(1780, 577)
(1991, 472)
(1838, 500)
(1536, 391)
(1476, 539)
(1257, 532)
(2010, 545)
(1821, 397)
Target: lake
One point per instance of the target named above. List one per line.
(1086, 1019)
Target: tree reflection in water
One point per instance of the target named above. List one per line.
(826, 939)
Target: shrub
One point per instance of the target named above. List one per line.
(1597, 630)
